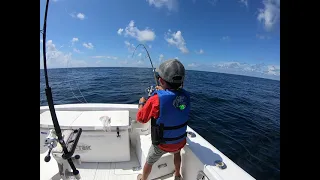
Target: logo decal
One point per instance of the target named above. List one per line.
(83, 148)
(180, 102)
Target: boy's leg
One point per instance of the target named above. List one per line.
(154, 155)
(177, 163)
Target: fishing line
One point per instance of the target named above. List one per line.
(66, 79)
(76, 85)
(153, 69)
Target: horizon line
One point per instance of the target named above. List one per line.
(276, 79)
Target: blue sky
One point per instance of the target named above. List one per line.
(230, 36)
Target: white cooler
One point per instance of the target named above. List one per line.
(95, 144)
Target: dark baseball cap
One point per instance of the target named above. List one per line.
(171, 71)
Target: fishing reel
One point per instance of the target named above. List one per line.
(51, 142)
(71, 138)
(150, 90)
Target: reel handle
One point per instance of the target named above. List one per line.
(48, 157)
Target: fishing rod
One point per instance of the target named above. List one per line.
(153, 69)
(68, 151)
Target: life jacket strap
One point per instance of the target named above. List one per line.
(175, 127)
(176, 138)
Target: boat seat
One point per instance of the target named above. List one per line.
(162, 167)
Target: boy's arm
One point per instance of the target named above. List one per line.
(150, 109)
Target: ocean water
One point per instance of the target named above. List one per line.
(239, 115)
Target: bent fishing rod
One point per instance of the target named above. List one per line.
(153, 69)
(67, 154)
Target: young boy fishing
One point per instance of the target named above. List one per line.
(168, 109)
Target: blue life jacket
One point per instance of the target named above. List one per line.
(171, 125)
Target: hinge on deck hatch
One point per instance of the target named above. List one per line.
(118, 132)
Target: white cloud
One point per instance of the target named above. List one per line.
(59, 59)
(130, 47)
(270, 14)
(177, 40)
(140, 54)
(160, 60)
(225, 38)
(193, 65)
(126, 43)
(119, 31)
(245, 2)
(136, 63)
(161, 57)
(169, 4)
(107, 57)
(98, 56)
(245, 68)
(112, 57)
(273, 70)
(88, 45)
(150, 46)
(74, 40)
(80, 16)
(201, 51)
(76, 50)
(140, 35)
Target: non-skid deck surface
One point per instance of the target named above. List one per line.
(109, 171)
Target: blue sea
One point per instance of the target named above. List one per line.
(239, 115)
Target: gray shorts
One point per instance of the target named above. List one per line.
(155, 154)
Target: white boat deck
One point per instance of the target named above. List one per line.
(198, 156)
(102, 171)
